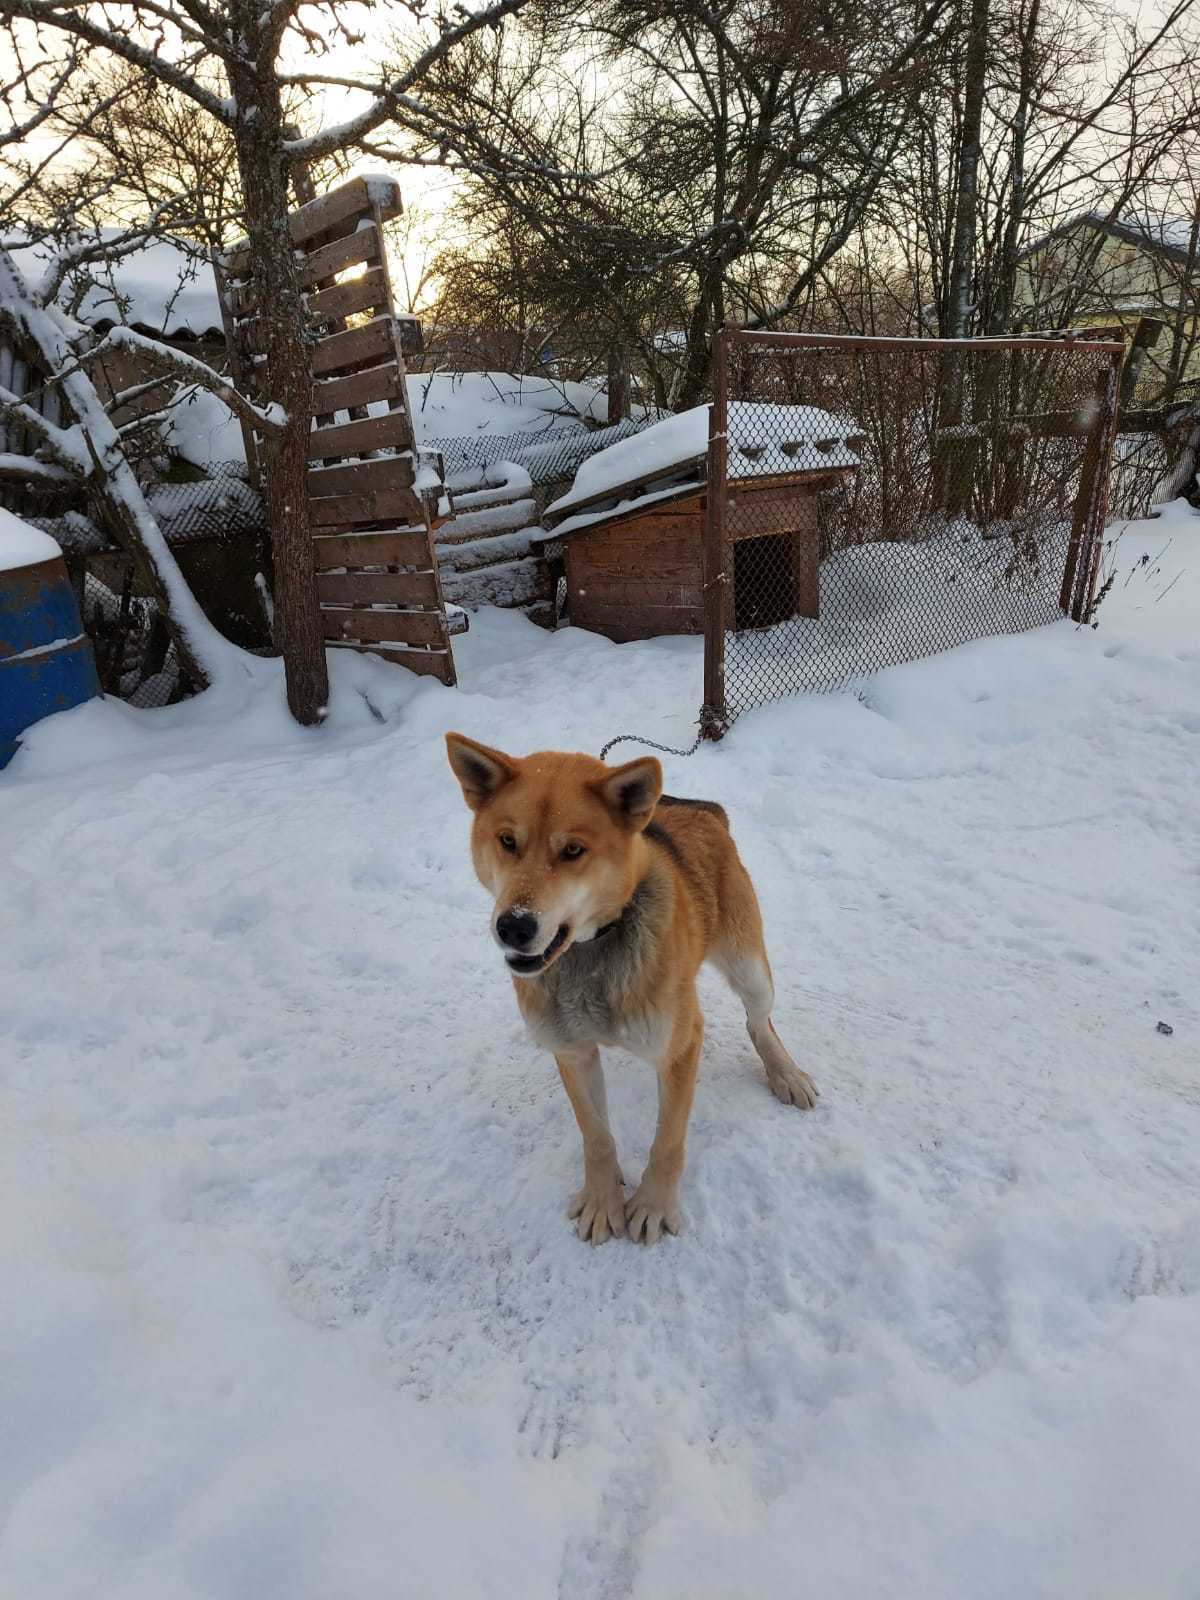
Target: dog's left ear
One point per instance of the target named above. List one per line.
(631, 792)
(479, 769)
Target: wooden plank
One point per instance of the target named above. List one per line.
(747, 516)
(813, 478)
(429, 663)
(387, 475)
(621, 491)
(353, 510)
(377, 588)
(343, 208)
(356, 347)
(359, 389)
(409, 548)
(635, 554)
(653, 567)
(400, 627)
(366, 293)
(344, 299)
(631, 592)
(624, 623)
(364, 244)
(684, 526)
(392, 431)
(806, 567)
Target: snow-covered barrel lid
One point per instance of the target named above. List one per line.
(23, 545)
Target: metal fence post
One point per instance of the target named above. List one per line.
(1083, 552)
(1107, 436)
(714, 717)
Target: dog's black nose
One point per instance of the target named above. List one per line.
(517, 929)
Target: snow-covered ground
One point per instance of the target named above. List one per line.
(291, 1304)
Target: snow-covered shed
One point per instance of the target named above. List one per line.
(163, 287)
(631, 528)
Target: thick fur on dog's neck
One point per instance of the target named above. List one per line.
(596, 984)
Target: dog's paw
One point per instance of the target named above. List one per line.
(793, 1087)
(650, 1212)
(599, 1211)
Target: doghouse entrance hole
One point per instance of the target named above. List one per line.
(763, 583)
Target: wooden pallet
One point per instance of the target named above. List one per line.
(376, 572)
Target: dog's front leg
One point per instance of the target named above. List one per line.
(600, 1204)
(655, 1205)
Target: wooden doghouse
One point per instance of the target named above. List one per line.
(632, 542)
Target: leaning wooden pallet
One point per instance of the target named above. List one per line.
(376, 571)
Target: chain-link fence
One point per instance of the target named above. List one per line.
(877, 500)
(550, 456)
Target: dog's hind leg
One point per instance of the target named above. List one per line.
(600, 1205)
(740, 955)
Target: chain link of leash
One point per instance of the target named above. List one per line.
(708, 725)
(635, 738)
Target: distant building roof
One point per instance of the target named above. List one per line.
(1163, 233)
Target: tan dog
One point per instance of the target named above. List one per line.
(608, 897)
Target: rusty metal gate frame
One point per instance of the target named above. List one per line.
(1082, 565)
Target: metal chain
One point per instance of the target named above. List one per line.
(636, 738)
(709, 725)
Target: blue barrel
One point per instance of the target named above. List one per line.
(46, 661)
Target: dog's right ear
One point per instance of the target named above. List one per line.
(481, 771)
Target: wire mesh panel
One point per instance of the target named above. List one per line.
(876, 500)
(1140, 467)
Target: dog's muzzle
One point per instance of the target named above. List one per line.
(526, 966)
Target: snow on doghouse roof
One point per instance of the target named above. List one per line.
(160, 288)
(668, 460)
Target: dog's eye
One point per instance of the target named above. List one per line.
(572, 851)
(507, 842)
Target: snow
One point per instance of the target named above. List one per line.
(382, 188)
(45, 649)
(292, 1306)
(763, 439)
(1172, 230)
(22, 545)
(160, 287)
(454, 403)
(888, 601)
(93, 438)
(202, 429)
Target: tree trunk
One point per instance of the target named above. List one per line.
(706, 318)
(258, 140)
(1000, 318)
(955, 464)
(618, 382)
(957, 321)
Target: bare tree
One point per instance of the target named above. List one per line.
(725, 153)
(229, 58)
(66, 436)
